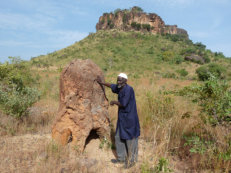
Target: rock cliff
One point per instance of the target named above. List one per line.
(136, 19)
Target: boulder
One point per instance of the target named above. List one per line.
(83, 105)
(195, 58)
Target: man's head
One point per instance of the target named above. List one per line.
(122, 80)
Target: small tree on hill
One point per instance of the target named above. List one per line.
(136, 9)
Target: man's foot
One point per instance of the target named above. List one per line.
(116, 161)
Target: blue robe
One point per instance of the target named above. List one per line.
(128, 121)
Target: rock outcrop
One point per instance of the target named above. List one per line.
(195, 58)
(137, 20)
(83, 105)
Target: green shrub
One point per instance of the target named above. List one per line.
(146, 26)
(214, 98)
(175, 37)
(133, 24)
(213, 69)
(162, 166)
(216, 69)
(200, 46)
(206, 58)
(188, 51)
(111, 25)
(16, 73)
(202, 73)
(136, 9)
(219, 55)
(125, 18)
(182, 72)
(178, 59)
(136, 26)
(16, 93)
(196, 143)
(168, 55)
(109, 22)
(16, 102)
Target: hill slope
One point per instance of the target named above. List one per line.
(135, 52)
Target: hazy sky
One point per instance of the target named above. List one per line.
(30, 28)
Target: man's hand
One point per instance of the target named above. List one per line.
(99, 80)
(113, 103)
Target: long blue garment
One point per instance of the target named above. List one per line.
(128, 121)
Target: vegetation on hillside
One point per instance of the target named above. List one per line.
(136, 53)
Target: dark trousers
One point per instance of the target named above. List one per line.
(127, 150)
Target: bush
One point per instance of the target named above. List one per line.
(219, 55)
(206, 58)
(109, 22)
(213, 69)
(15, 102)
(202, 73)
(188, 51)
(207, 138)
(182, 72)
(215, 99)
(16, 94)
(146, 26)
(178, 59)
(200, 46)
(136, 26)
(111, 25)
(136, 9)
(167, 55)
(125, 18)
(176, 37)
(16, 73)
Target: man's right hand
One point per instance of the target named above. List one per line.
(99, 80)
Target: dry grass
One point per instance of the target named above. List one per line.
(39, 120)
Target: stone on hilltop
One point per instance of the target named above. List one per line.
(137, 20)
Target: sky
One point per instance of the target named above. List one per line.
(29, 28)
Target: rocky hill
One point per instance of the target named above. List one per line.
(136, 19)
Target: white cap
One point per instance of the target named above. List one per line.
(123, 75)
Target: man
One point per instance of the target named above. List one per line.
(128, 127)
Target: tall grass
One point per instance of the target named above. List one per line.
(162, 125)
